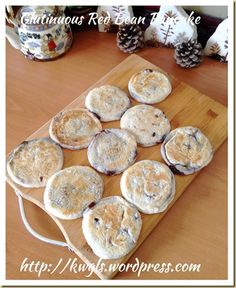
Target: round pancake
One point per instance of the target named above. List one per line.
(149, 86)
(149, 125)
(107, 102)
(186, 150)
(74, 129)
(149, 185)
(112, 227)
(112, 151)
(70, 191)
(34, 161)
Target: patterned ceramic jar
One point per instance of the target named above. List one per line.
(39, 31)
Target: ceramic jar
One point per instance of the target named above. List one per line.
(43, 40)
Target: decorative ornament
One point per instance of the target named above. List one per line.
(170, 27)
(109, 14)
(217, 44)
(188, 54)
(130, 38)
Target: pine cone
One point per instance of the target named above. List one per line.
(130, 38)
(188, 54)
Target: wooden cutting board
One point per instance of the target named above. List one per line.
(184, 106)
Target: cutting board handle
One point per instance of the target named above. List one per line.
(33, 232)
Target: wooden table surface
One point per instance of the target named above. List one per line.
(195, 228)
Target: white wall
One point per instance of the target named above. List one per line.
(216, 11)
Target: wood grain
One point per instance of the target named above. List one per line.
(185, 106)
(194, 229)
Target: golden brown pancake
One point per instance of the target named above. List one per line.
(108, 102)
(34, 161)
(149, 86)
(70, 191)
(186, 150)
(149, 185)
(112, 151)
(148, 124)
(74, 129)
(112, 227)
